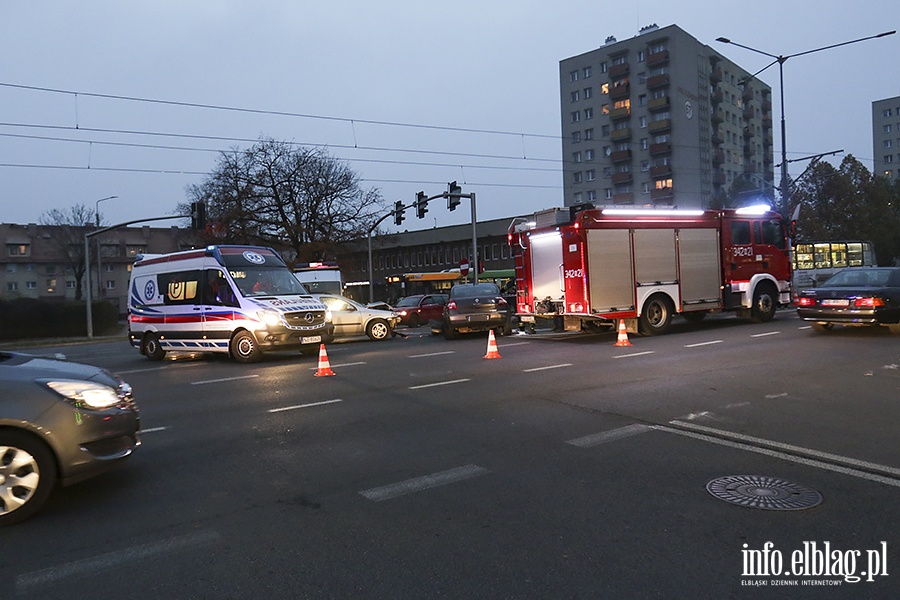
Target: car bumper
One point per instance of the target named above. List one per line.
(847, 316)
(477, 321)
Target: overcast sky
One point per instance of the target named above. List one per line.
(412, 94)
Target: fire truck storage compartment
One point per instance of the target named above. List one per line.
(546, 266)
(610, 268)
(701, 279)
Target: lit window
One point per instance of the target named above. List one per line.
(663, 184)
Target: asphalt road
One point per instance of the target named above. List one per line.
(568, 468)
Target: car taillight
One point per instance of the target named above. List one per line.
(501, 301)
(451, 305)
(806, 302)
(868, 302)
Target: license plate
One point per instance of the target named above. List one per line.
(527, 319)
(477, 318)
(835, 302)
(311, 339)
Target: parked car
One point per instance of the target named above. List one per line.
(351, 318)
(475, 307)
(60, 423)
(422, 308)
(854, 296)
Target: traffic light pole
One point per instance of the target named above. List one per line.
(399, 206)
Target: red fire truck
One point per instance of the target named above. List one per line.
(591, 267)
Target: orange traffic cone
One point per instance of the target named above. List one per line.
(492, 346)
(623, 334)
(324, 369)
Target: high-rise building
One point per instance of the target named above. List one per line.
(662, 119)
(886, 137)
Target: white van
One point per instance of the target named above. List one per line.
(242, 300)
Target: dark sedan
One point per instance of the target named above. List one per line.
(60, 423)
(854, 296)
(475, 307)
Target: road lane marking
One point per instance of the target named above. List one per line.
(635, 354)
(353, 364)
(765, 334)
(547, 367)
(29, 582)
(428, 385)
(223, 379)
(296, 406)
(861, 464)
(515, 344)
(703, 344)
(419, 484)
(432, 354)
(153, 430)
(784, 456)
(596, 439)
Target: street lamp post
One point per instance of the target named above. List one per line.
(781, 59)
(99, 266)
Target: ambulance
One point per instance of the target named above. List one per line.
(239, 300)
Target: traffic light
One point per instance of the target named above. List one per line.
(398, 212)
(421, 205)
(453, 193)
(198, 215)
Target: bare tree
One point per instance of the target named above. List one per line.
(70, 225)
(289, 197)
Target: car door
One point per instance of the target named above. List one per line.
(344, 315)
(431, 308)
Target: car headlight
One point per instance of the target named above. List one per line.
(84, 394)
(269, 317)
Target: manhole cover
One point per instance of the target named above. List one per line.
(755, 491)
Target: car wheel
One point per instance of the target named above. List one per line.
(152, 348)
(450, 333)
(414, 320)
(27, 476)
(765, 301)
(822, 326)
(378, 330)
(244, 347)
(656, 317)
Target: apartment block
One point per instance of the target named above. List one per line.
(886, 137)
(662, 119)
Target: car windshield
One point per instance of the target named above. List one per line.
(859, 278)
(475, 290)
(267, 281)
(409, 301)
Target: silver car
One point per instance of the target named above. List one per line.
(351, 318)
(60, 423)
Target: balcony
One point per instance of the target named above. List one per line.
(718, 157)
(663, 194)
(767, 122)
(658, 58)
(657, 149)
(618, 135)
(716, 96)
(748, 113)
(657, 81)
(661, 171)
(659, 104)
(716, 117)
(623, 198)
(660, 126)
(620, 178)
(617, 114)
(620, 156)
(717, 139)
(618, 70)
(715, 76)
(719, 177)
(619, 90)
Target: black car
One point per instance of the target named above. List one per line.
(475, 307)
(60, 423)
(854, 296)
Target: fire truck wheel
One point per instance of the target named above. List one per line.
(152, 348)
(244, 347)
(765, 301)
(656, 315)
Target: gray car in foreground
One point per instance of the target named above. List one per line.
(60, 423)
(475, 307)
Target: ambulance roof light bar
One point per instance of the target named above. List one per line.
(757, 209)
